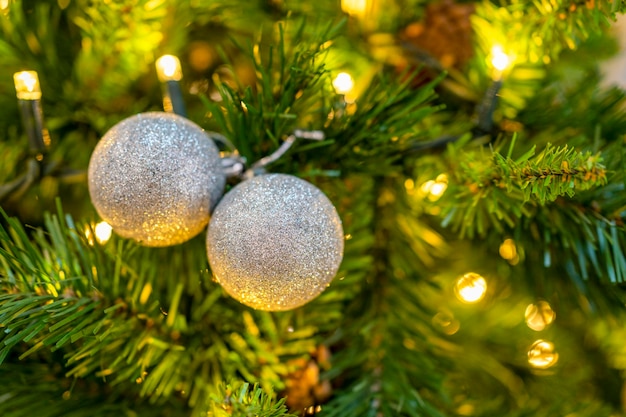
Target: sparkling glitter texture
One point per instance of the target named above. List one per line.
(155, 177)
(275, 242)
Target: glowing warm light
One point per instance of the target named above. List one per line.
(27, 85)
(343, 83)
(4, 5)
(466, 410)
(354, 7)
(539, 315)
(508, 249)
(499, 59)
(168, 68)
(446, 321)
(314, 409)
(437, 189)
(470, 288)
(425, 188)
(541, 355)
(101, 233)
(434, 189)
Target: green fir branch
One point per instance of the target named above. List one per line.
(289, 93)
(491, 190)
(403, 367)
(293, 91)
(243, 400)
(113, 318)
(545, 28)
(554, 172)
(570, 102)
(560, 196)
(382, 126)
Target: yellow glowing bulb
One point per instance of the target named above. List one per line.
(434, 189)
(539, 315)
(168, 68)
(499, 59)
(541, 355)
(4, 5)
(354, 7)
(437, 190)
(427, 186)
(103, 232)
(343, 83)
(508, 250)
(470, 288)
(27, 85)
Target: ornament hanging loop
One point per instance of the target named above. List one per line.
(233, 164)
(259, 166)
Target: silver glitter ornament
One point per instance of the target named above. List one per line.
(155, 177)
(275, 242)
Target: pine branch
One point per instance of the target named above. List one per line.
(241, 400)
(289, 93)
(570, 103)
(400, 372)
(159, 335)
(594, 249)
(293, 91)
(559, 25)
(554, 172)
(535, 36)
(492, 190)
(528, 194)
(136, 27)
(28, 385)
(386, 123)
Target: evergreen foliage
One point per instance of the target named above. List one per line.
(536, 206)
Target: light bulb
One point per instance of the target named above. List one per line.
(434, 189)
(168, 68)
(499, 59)
(343, 83)
(541, 355)
(470, 288)
(356, 8)
(27, 85)
(439, 187)
(101, 231)
(539, 315)
(508, 249)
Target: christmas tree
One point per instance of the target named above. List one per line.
(472, 150)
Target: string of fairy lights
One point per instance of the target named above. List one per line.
(469, 288)
(472, 287)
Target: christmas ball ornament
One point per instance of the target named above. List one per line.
(155, 177)
(275, 242)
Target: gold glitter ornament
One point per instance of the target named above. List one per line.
(275, 242)
(155, 177)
